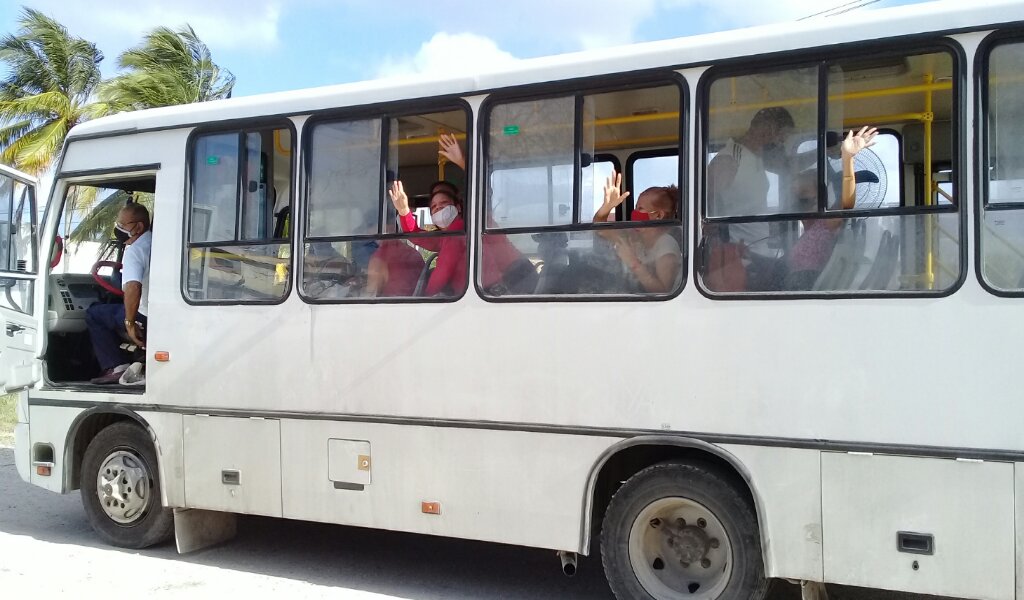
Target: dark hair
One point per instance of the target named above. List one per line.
(773, 115)
(452, 197)
(454, 189)
(137, 212)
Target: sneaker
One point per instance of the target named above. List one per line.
(133, 375)
(110, 376)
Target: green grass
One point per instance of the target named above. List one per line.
(7, 419)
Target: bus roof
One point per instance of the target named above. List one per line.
(941, 16)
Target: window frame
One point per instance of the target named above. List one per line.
(627, 174)
(383, 112)
(982, 61)
(823, 58)
(29, 192)
(578, 89)
(239, 127)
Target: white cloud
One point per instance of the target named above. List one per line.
(449, 54)
(224, 24)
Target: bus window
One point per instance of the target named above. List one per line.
(777, 220)
(356, 247)
(545, 190)
(17, 232)
(239, 217)
(1002, 231)
(593, 178)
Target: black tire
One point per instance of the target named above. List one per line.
(699, 483)
(155, 524)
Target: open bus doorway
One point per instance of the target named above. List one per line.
(84, 269)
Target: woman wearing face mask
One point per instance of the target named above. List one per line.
(503, 268)
(651, 254)
(449, 275)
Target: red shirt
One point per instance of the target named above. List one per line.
(498, 254)
(404, 267)
(451, 256)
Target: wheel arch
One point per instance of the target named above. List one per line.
(628, 457)
(82, 431)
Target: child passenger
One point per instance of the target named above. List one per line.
(651, 254)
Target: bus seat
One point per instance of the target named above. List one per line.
(846, 260)
(880, 275)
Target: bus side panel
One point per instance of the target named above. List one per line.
(924, 525)
(788, 484)
(49, 425)
(499, 486)
(167, 429)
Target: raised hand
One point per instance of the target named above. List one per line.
(613, 197)
(855, 142)
(398, 198)
(449, 148)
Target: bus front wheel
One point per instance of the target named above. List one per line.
(121, 488)
(681, 530)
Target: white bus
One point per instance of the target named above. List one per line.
(833, 402)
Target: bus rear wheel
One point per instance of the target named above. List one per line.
(121, 488)
(682, 531)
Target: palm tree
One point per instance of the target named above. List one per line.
(168, 68)
(50, 82)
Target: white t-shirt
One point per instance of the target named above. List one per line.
(665, 244)
(135, 267)
(746, 196)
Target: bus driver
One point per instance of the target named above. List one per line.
(107, 322)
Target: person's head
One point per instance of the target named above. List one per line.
(444, 186)
(444, 208)
(656, 204)
(769, 128)
(132, 221)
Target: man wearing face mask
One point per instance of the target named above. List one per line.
(106, 322)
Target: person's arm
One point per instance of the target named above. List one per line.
(854, 143)
(721, 173)
(133, 271)
(449, 148)
(613, 197)
(658, 281)
(132, 298)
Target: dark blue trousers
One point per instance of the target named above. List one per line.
(107, 332)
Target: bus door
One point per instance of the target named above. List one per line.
(19, 281)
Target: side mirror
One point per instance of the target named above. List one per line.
(57, 251)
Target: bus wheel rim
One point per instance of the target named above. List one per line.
(123, 487)
(679, 549)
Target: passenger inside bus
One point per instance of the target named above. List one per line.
(650, 254)
(449, 274)
(738, 185)
(807, 258)
(107, 323)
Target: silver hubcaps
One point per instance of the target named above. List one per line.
(679, 549)
(123, 487)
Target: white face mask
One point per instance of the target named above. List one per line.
(444, 217)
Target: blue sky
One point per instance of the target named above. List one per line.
(275, 45)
